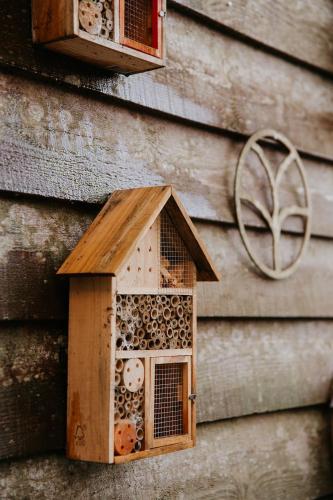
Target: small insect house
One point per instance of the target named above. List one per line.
(132, 329)
(126, 36)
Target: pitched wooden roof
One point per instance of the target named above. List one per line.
(123, 221)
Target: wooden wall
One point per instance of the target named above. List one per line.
(70, 135)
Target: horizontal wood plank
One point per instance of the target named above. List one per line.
(285, 455)
(243, 368)
(302, 30)
(223, 83)
(63, 145)
(37, 236)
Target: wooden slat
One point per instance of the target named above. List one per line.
(210, 79)
(245, 293)
(243, 368)
(247, 367)
(60, 145)
(39, 235)
(285, 455)
(301, 30)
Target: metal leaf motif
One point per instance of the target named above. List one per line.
(278, 215)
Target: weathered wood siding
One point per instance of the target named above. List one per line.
(70, 135)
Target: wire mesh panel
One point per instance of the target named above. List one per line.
(138, 21)
(176, 263)
(168, 400)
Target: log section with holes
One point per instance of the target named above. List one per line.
(71, 135)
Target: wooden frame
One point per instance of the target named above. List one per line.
(187, 383)
(156, 48)
(106, 397)
(55, 25)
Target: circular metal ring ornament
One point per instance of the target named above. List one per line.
(279, 214)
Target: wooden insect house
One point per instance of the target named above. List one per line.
(126, 36)
(132, 329)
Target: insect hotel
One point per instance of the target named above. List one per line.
(132, 329)
(126, 36)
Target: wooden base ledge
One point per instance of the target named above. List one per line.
(153, 452)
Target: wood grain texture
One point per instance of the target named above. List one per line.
(242, 91)
(301, 29)
(277, 456)
(39, 235)
(243, 368)
(32, 388)
(62, 145)
(90, 390)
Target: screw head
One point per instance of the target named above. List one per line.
(162, 13)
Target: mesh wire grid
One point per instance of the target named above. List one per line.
(176, 270)
(138, 21)
(168, 400)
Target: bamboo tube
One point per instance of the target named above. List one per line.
(117, 378)
(187, 318)
(153, 302)
(175, 300)
(116, 417)
(167, 313)
(148, 299)
(123, 327)
(157, 343)
(141, 398)
(180, 311)
(178, 344)
(145, 316)
(173, 314)
(181, 322)
(167, 301)
(184, 343)
(136, 341)
(160, 319)
(119, 343)
(140, 409)
(154, 325)
(164, 345)
(160, 307)
(169, 333)
(187, 328)
(189, 343)
(182, 334)
(189, 335)
(128, 405)
(129, 337)
(143, 344)
(158, 299)
(120, 399)
(163, 299)
(135, 314)
(154, 313)
(136, 404)
(136, 300)
(139, 433)
(174, 323)
(122, 389)
(123, 302)
(151, 344)
(149, 327)
(139, 323)
(118, 299)
(140, 333)
(118, 310)
(163, 327)
(121, 411)
(128, 396)
(137, 446)
(142, 308)
(119, 365)
(128, 415)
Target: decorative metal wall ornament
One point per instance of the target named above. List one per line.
(278, 215)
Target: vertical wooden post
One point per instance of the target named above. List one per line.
(89, 369)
